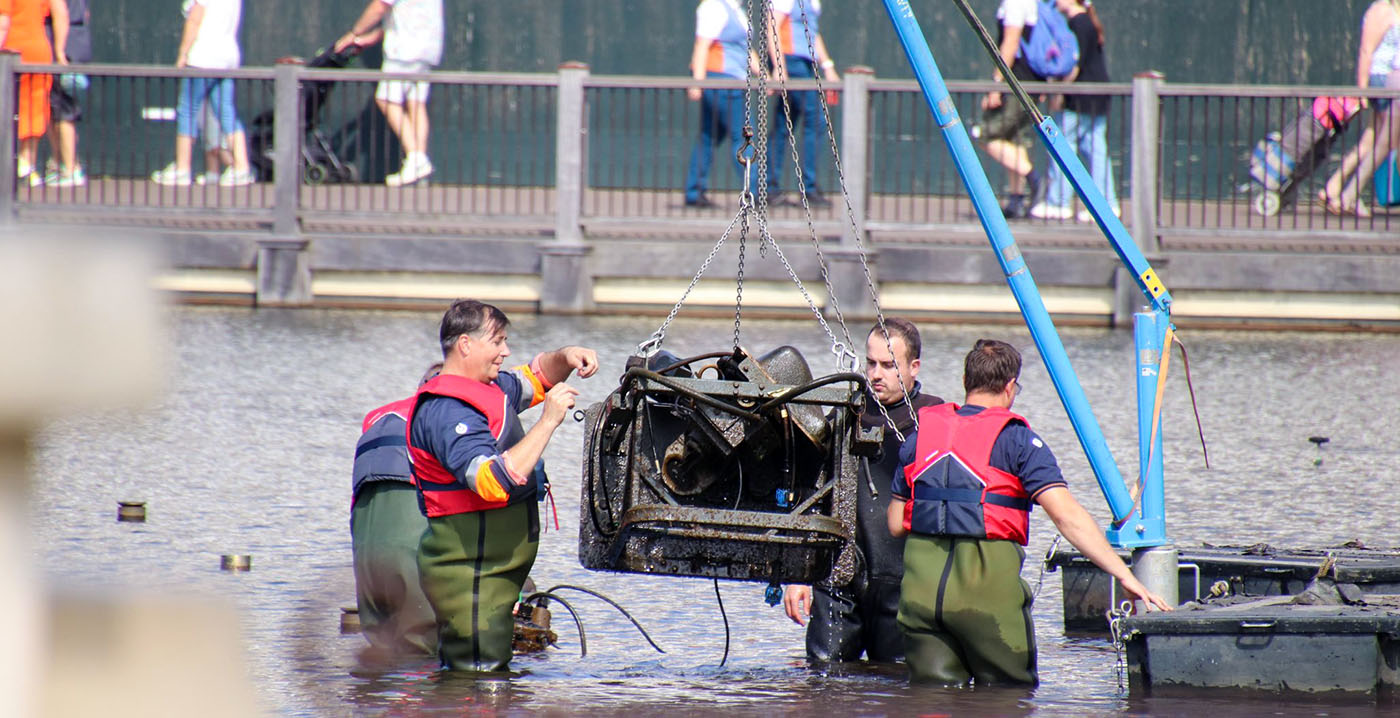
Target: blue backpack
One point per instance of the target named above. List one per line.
(1052, 50)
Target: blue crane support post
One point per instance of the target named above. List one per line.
(1149, 528)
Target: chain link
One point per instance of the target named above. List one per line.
(657, 337)
(745, 210)
(1115, 629)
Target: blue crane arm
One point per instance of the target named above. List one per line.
(1018, 275)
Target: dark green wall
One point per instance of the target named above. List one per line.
(1214, 41)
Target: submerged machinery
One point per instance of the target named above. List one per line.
(725, 465)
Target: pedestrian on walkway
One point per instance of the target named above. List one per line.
(412, 35)
(721, 50)
(209, 42)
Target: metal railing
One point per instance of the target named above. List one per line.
(577, 155)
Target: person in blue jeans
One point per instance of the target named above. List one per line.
(1084, 120)
(796, 49)
(721, 51)
(210, 42)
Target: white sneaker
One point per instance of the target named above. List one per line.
(169, 175)
(234, 178)
(1085, 216)
(1047, 211)
(56, 178)
(416, 167)
(209, 177)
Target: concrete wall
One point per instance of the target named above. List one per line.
(1209, 41)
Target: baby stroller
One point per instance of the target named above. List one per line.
(1282, 160)
(320, 162)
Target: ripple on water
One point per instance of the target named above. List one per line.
(250, 452)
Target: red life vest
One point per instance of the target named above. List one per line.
(953, 488)
(381, 454)
(444, 494)
(402, 408)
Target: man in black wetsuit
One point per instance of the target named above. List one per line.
(845, 621)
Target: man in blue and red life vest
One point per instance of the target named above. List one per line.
(970, 475)
(845, 621)
(478, 473)
(385, 527)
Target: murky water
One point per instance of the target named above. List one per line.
(249, 451)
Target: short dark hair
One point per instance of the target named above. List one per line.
(468, 316)
(904, 329)
(990, 366)
(432, 371)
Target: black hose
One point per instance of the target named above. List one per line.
(692, 360)
(725, 616)
(788, 395)
(614, 604)
(582, 640)
(706, 399)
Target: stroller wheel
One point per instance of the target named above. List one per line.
(315, 174)
(348, 174)
(1267, 203)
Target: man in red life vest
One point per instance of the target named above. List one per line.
(963, 499)
(478, 473)
(385, 526)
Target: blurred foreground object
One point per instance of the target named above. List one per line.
(83, 333)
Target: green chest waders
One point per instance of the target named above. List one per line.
(473, 566)
(385, 529)
(965, 612)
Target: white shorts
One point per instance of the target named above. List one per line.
(397, 92)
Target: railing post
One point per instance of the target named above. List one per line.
(566, 284)
(284, 264)
(848, 280)
(1146, 142)
(286, 151)
(8, 62)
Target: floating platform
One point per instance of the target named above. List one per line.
(1260, 571)
(1269, 644)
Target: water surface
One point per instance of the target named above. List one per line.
(249, 451)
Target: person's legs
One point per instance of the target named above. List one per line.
(386, 527)
(1059, 194)
(784, 113)
(221, 97)
(193, 91)
(833, 630)
(472, 567)
(1004, 131)
(734, 119)
(813, 128)
(33, 114)
(965, 612)
(1095, 148)
(63, 135)
(416, 106)
(879, 610)
(986, 606)
(932, 654)
(702, 154)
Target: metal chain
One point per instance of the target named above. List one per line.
(1115, 629)
(745, 209)
(855, 233)
(762, 100)
(657, 337)
(845, 357)
(1045, 564)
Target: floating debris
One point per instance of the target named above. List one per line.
(349, 619)
(131, 511)
(236, 562)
